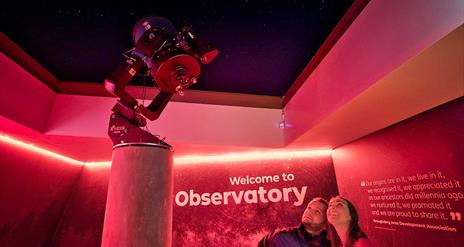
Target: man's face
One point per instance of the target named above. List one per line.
(314, 216)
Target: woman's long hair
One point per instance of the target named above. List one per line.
(354, 231)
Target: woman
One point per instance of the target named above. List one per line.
(343, 228)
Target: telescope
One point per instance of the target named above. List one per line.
(171, 57)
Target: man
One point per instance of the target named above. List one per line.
(311, 231)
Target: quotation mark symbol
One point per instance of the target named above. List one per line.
(455, 216)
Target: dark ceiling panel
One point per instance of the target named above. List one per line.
(263, 45)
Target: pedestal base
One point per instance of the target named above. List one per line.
(139, 202)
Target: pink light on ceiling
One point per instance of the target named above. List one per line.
(31, 147)
(236, 157)
(185, 159)
(98, 164)
(250, 156)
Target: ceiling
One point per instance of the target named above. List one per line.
(264, 45)
(383, 62)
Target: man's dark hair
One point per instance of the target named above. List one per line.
(321, 200)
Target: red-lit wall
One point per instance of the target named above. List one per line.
(34, 191)
(406, 180)
(82, 222)
(242, 223)
(239, 223)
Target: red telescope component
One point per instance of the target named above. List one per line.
(173, 60)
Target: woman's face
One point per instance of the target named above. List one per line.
(338, 212)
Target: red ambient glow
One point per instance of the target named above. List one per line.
(31, 147)
(185, 159)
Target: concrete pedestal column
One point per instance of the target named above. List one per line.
(139, 202)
